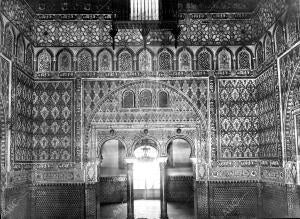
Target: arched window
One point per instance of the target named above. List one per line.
(44, 61)
(128, 99)
(279, 36)
(105, 61)
(259, 54)
(145, 61)
(204, 60)
(224, 60)
(64, 61)
(185, 61)
(8, 42)
(268, 47)
(20, 49)
(165, 61)
(29, 56)
(125, 61)
(146, 98)
(163, 99)
(85, 61)
(244, 60)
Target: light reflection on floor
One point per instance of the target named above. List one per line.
(147, 209)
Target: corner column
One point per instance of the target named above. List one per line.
(130, 194)
(194, 161)
(163, 188)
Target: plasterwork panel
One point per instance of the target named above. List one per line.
(53, 126)
(18, 12)
(237, 119)
(4, 101)
(268, 11)
(188, 104)
(21, 131)
(269, 115)
(194, 31)
(290, 88)
(234, 173)
(217, 32)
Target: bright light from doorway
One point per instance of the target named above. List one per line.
(146, 175)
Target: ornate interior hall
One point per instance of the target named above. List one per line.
(149, 109)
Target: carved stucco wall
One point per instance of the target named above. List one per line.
(103, 109)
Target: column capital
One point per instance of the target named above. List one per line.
(162, 159)
(194, 160)
(130, 160)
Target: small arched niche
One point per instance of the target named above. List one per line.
(113, 155)
(179, 162)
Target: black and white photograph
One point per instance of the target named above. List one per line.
(150, 109)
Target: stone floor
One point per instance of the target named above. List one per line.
(147, 209)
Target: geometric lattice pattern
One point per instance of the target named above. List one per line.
(4, 82)
(291, 27)
(4, 90)
(195, 90)
(268, 12)
(44, 61)
(274, 201)
(21, 148)
(113, 189)
(268, 114)
(290, 90)
(53, 115)
(280, 41)
(125, 61)
(63, 201)
(165, 61)
(238, 119)
(85, 61)
(8, 42)
(234, 201)
(180, 189)
(204, 60)
(244, 60)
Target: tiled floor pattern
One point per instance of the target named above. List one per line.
(147, 209)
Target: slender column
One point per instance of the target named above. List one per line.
(130, 195)
(135, 67)
(163, 188)
(98, 188)
(195, 64)
(194, 161)
(115, 67)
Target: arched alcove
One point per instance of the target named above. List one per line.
(113, 180)
(179, 153)
(112, 155)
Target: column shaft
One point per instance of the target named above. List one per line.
(163, 191)
(130, 195)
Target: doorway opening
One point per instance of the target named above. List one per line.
(146, 173)
(146, 180)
